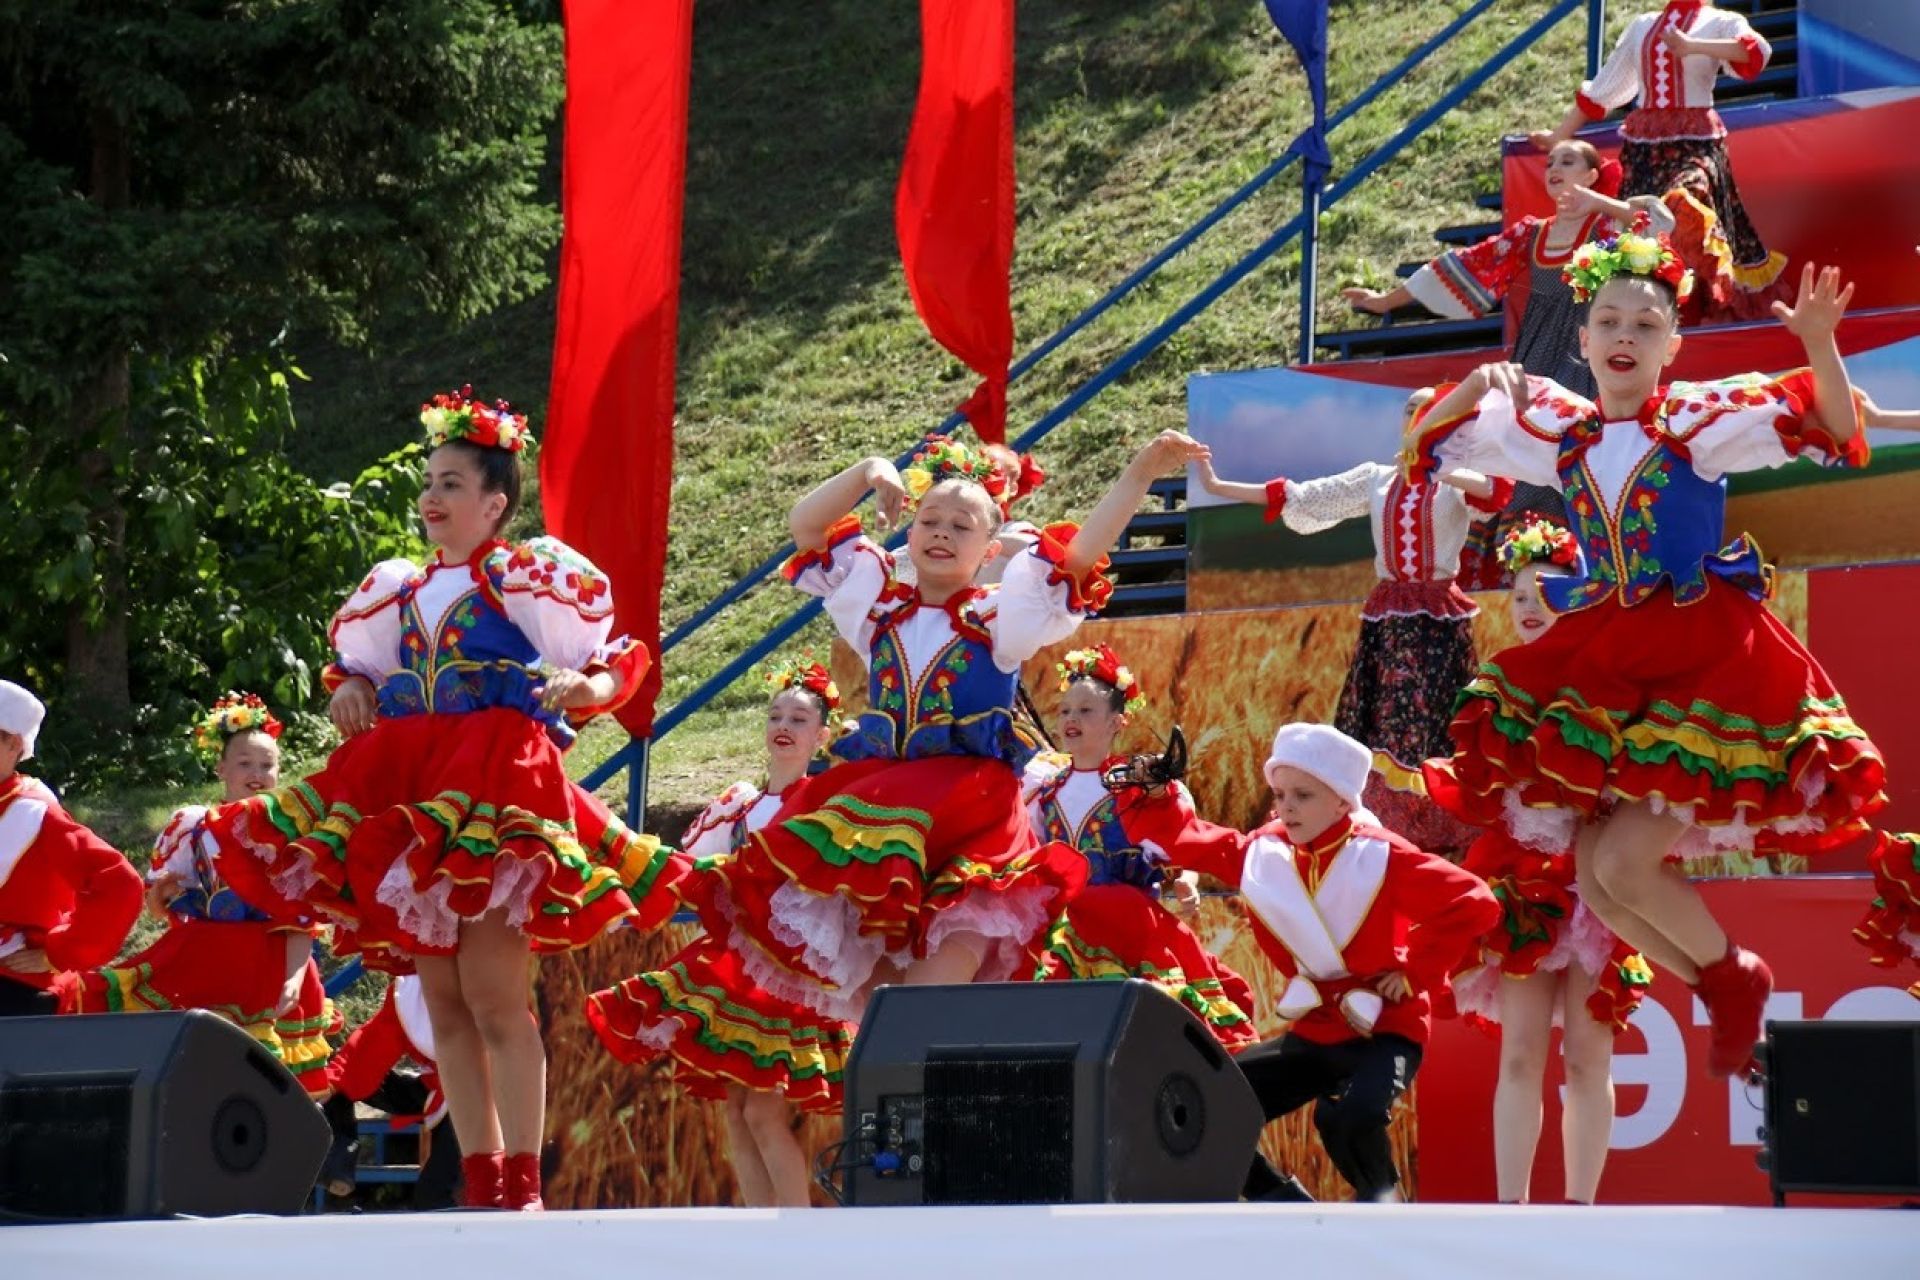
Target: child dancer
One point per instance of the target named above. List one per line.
(67, 897)
(1116, 927)
(1364, 929)
(1667, 713)
(220, 953)
(1549, 960)
(444, 835)
(1674, 147)
(1416, 627)
(912, 860)
(727, 1038)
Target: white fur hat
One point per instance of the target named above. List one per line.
(1327, 754)
(21, 713)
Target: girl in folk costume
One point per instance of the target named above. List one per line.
(221, 953)
(1891, 927)
(1117, 928)
(1416, 627)
(1364, 930)
(443, 835)
(1667, 713)
(727, 1038)
(1522, 266)
(67, 897)
(1674, 148)
(1549, 960)
(911, 860)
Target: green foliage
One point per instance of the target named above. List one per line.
(239, 559)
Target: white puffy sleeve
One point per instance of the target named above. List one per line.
(175, 847)
(564, 606)
(711, 834)
(1619, 80)
(1038, 602)
(365, 633)
(1314, 506)
(1753, 422)
(848, 575)
(1724, 24)
(1497, 440)
(1039, 771)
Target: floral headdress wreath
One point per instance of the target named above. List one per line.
(799, 673)
(1636, 252)
(1538, 541)
(1022, 473)
(944, 458)
(456, 415)
(234, 713)
(1103, 664)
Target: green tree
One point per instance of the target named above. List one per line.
(195, 178)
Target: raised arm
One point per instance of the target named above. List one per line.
(1872, 415)
(1165, 454)
(835, 497)
(1231, 490)
(1814, 318)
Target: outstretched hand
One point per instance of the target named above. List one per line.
(1816, 312)
(1169, 451)
(1503, 376)
(1371, 301)
(1577, 201)
(1545, 139)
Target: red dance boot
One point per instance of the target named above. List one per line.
(1735, 989)
(482, 1176)
(523, 1183)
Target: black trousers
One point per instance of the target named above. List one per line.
(1353, 1085)
(18, 1000)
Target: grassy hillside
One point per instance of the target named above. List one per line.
(799, 347)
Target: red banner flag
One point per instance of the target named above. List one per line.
(606, 463)
(954, 210)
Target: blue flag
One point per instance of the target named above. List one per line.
(1304, 24)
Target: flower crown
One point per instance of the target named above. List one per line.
(800, 673)
(944, 458)
(456, 415)
(1103, 664)
(1536, 541)
(233, 714)
(1636, 252)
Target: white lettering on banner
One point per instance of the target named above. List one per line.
(1662, 1069)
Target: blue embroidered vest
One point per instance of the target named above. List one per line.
(961, 704)
(214, 901)
(1668, 530)
(477, 660)
(1112, 856)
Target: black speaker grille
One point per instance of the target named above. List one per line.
(1844, 1106)
(999, 1129)
(64, 1147)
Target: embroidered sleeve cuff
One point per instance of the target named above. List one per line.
(1420, 456)
(333, 675)
(1276, 498)
(1805, 436)
(839, 533)
(1086, 593)
(1588, 107)
(1755, 61)
(1496, 502)
(629, 662)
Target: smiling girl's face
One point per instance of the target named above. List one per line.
(951, 535)
(1531, 617)
(796, 729)
(455, 506)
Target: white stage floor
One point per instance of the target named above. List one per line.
(1104, 1242)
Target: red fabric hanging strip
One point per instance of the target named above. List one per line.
(954, 209)
(606, 462)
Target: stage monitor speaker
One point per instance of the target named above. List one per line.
(1042, 1093)
(1843, 1107)
(148, 1115)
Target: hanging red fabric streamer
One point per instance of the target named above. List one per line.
(606, 462)
(954, 209)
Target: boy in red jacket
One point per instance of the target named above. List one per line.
(1364, 928)
(67, 897)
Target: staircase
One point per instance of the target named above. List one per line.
(1149, 564)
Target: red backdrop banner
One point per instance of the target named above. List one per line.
(606, 463)
(954, 209)
(1679, 1136)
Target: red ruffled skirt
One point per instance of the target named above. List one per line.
(231, 968)
(719, 1029)
(1543, 928)
(1891, 928)
(880, 862)
(1116, 931)
(1710, 710)
(428, 821)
